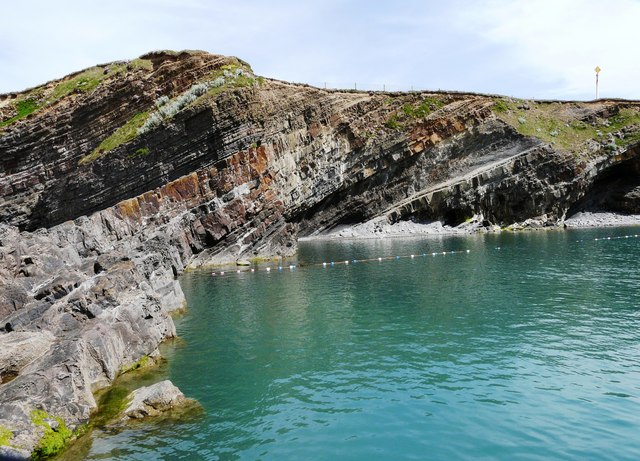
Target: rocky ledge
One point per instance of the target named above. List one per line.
(113, 180)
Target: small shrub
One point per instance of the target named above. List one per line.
(393, 122)
(217, 82)
(161, 101)
(500, 106)
(408, 110)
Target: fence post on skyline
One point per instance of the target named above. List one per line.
(597, 69)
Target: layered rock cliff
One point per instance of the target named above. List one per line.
(115, 179)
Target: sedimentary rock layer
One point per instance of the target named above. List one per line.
(102, 205)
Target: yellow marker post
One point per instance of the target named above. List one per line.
(597, 69)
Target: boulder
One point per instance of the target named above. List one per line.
(155, 400)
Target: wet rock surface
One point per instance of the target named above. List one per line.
(90, 251)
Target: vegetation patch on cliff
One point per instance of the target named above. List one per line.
(56, 434)
(122, 135)
(229, 75)
(410, 112)
(84, 82)
(81, 83)
(23, 108)
(234, 75)
(556, 123)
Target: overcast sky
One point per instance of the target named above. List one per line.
(523, 48)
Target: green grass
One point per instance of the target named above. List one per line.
(5, 435)
(83, 83)
(500, 106)
(122, 135)
(626, 118)
(53, 440)
(23, 107)
(243, 81)
(246, 80)
(422, 110)
(548, 122)
(140, 64)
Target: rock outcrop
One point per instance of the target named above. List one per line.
(115, 179)
(155, 400)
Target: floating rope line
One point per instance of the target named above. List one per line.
(346, 262)
(619, 237)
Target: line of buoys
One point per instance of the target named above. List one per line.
(346, 262)
(387, 258)
(618, 237)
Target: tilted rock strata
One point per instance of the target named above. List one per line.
(243, 171)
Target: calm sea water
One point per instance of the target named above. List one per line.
(527, 347)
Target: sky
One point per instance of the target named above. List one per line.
(544, 49)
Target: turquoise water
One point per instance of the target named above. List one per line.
(527, 347)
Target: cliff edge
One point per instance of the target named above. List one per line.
(114, 179)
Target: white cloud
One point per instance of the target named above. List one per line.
(561, 42)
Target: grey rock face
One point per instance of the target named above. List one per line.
(92, 303)
(19, 349)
